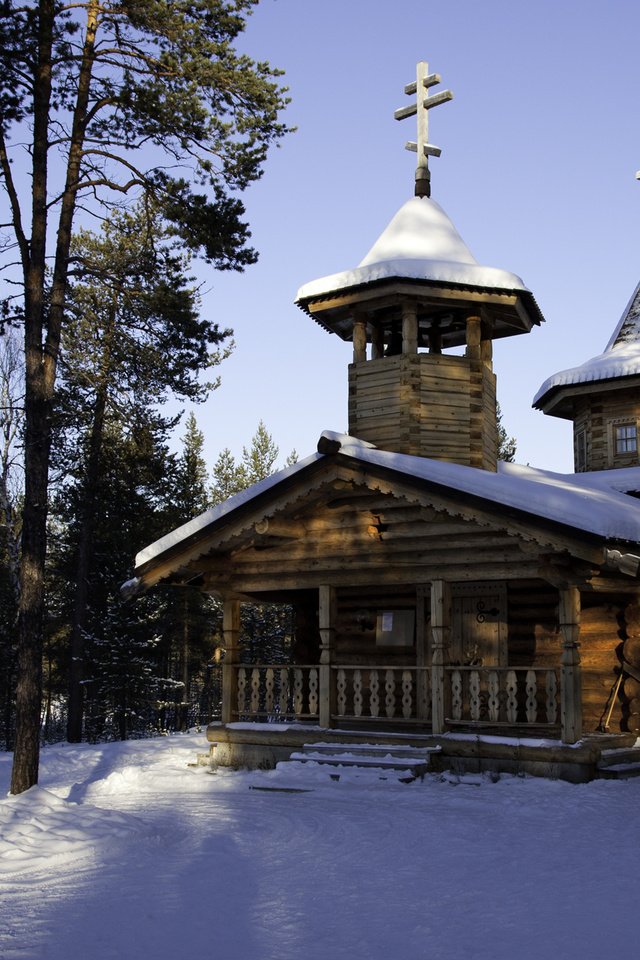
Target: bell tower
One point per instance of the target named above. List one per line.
(422, 315)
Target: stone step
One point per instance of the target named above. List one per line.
(609, 758)
(372, 750)
(388, 762)
(619, 771)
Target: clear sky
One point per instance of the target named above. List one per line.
(540, 148)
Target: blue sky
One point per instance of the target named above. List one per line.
(540, 148)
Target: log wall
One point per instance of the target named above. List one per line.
(430, 405)
(594, 415)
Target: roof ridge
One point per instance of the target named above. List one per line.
(628, 328)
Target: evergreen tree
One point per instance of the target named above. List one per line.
(506, 444)
(134, 490)
(119, 93)
(260, 458)
(189, 617)
(266, 628)
(133, 337)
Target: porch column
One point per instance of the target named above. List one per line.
(326, 622)
(422, 656)
(440, 631)
(571, 675)
(231, 634)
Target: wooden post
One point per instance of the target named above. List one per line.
(377, 343)
(571, 678)
(422, 655)
(473, 338)
(359, 340)
(231, 634)
(441, 634)
(409, 328)
(327, 620)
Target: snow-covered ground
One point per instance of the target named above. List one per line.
(124, 851)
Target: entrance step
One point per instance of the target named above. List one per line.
(621, 764)
(410, 762)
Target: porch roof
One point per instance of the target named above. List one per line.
(597, 504)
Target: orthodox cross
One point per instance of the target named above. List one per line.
(424, 80)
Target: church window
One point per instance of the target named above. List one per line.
(626, 439)
(581, 451)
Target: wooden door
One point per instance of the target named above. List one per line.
(479, 624)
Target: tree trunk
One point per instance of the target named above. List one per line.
(41, 357)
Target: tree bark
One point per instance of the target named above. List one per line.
(40, 371)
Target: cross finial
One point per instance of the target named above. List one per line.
(421, 107)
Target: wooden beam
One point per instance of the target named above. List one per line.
(571, 674)
(441, 638)
(231, 634)
(327, 628)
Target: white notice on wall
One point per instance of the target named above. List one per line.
(387, 621)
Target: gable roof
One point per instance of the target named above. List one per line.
(619, 359)
(593, 506)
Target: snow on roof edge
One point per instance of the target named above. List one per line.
(192, 527)
(595, 503)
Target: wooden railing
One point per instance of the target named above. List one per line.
(277, 692)
(514, 696)
(388, 693)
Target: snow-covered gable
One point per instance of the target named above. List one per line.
(620, 358)
(593, 503)
(420, 243)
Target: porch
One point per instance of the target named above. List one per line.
(417, 681)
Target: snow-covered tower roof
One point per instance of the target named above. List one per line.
(422, 249)
(618, 366)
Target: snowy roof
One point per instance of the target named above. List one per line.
(593, 503)
(620, 358)
(420, 243)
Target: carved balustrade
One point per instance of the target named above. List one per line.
(399, 693)
(513, 696)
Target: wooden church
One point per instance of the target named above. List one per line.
(441, 597)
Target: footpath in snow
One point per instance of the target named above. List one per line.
(124, 852)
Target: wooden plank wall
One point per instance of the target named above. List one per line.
(416, 404)
(356, 625)
(534, 640)
(593, 414)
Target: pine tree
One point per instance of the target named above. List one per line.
(119, 94)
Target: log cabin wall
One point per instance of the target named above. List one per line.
(428, 405)
(357, 617)
(595, 418)
(601, 640)
(534, 640)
